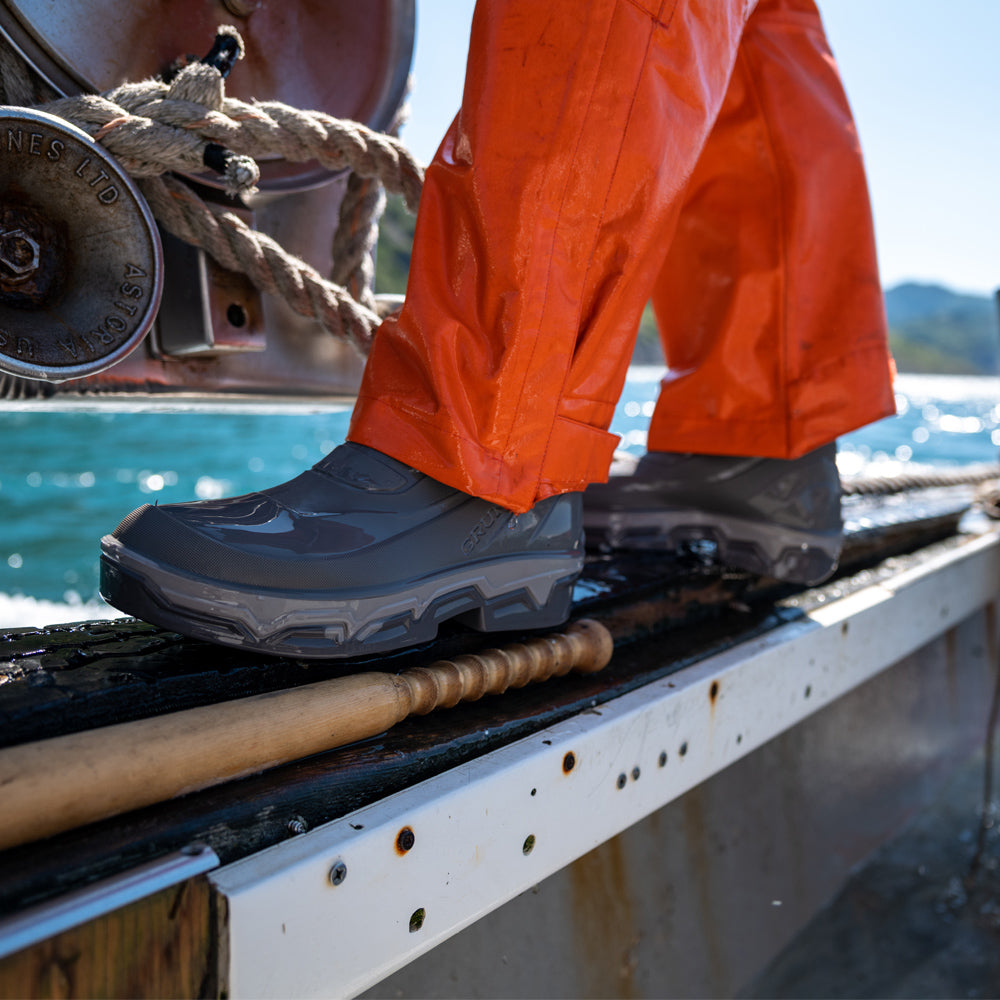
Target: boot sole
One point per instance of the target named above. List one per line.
(803, 557)
(498, 595)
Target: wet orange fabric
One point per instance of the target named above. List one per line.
(701, 153)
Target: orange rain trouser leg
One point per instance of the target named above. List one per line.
(769, 304)
(545, 220)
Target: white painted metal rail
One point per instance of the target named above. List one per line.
(336, 910)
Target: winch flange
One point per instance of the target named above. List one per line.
(81, 267)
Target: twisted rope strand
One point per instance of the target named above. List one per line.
(237, 247)
(148, 128)
(971, 475)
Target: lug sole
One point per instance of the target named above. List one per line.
(764, 549)
(497, 595)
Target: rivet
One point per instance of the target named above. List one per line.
(635, 773)
(662, 761)
(338, 873)
(622, 781)
(684, 749)
(529, 844)
(417, 919)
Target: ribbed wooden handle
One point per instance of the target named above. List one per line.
(585, 647)
(58, 784)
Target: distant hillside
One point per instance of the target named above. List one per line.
(931, 329)
(935, 330)
(395, 240)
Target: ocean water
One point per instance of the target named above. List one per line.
(66, 478)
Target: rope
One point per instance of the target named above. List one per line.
(970, 475)
(237, 247)
(152, 128)
(155, 128)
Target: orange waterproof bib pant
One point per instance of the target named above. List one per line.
(699, 153)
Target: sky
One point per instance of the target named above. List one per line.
(923, 79)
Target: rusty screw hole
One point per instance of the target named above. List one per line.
(417, 919)
(236, 315)
(569, 762)
(405, 839)
(663, 758)
(529, 844)
(713, 691)
(622, 781)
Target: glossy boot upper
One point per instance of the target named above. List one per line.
(358, 554)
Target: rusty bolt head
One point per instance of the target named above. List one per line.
(19, 253)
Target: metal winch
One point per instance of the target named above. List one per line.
(93, 298)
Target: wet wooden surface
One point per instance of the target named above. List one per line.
(665, 612)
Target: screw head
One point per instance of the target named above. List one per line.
(338, 873)
(297, 825)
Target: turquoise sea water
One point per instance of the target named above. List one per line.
(66, 478)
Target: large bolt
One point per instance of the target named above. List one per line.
(19, 253)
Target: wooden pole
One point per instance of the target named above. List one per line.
(50, 786)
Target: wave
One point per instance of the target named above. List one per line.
(22, 611)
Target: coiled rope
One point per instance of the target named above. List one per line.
(157, 128)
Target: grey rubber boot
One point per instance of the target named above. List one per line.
(774, 517)
(361, 554)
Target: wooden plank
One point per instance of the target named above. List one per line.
(161, 946)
